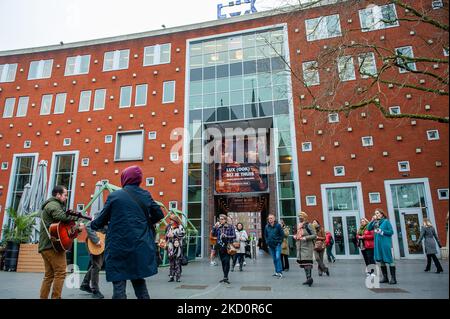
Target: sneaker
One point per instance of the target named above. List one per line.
(171, 279)
(178, 280)
(86, 288)
(213, 263)
(226, 281)
(275, 275)
(97, 295)
(244, 263)
(279, 275)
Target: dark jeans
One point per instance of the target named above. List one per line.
(93, 271)
(368, 256)
(330, 255)
(139, 285)
(225, 260)
(238, 258)
(435, 260)
(285, 262)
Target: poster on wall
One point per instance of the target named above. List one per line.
(239, 178)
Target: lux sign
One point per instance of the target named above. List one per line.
(227, 10)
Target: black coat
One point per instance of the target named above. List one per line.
(130, 246)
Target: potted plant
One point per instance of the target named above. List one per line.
(17, 233)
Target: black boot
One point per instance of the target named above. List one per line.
(393, 278)
(384, 273)
(309, 280)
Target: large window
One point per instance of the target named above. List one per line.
(85, 101)
(346, 68)
(64, 167)
(99, 99)
(8, 111)
(342, 199)
(367, 65)
(125, 96)
(8, 72)
(46, 104)
(22, 106)
(403, 54)
(323, 27)
(77, 65)
(169, 92)
(141, 95)
(129, 146)
(311, 73)
(378, 17)
(40, 69)
(22, 174)
(157, 54)
(116, 60)
(60, 103)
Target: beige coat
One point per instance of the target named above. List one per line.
(285, 244)
(305, 247)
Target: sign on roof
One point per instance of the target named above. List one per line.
(235, 8)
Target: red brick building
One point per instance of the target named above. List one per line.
(93, 108)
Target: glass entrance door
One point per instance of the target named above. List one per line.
(344, 233)
(411, 222)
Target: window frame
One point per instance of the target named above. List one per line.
(330, 115)
(77, 65)
(305, 66)
(335, 170)
(304, 149)
(9, 108)
(443, 197)
(342, 69)
(157, 50)
(40, 69)
(147, 181)
(117, 146)
(402, 70)
(367, 144)
(81, 99)
(395, 107)
(382, 25)
(6, 71)
(103, 101)
(130, 87)
(435, 138)
(320, 27)
(165, 83)
(374, 201)
(58, 95)
(136, 94)
(399, 164)
(309, 197)
(51, 104)
(24, 108)
(116, 56)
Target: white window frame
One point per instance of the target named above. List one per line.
(108, 139)
(165, 84)
(152, 135)
(377, 23)
(393, 108)
(430, 138)
(67, 141)
(333, 118)
(10, 104)
(376, 200)
(305, 148)
(5, 166)
(84, 97)
(174, 156)
(440, 197)
(117, 146)
(76, 61)
(335, 168)
(311, 200)
(128, 101)
(363, 65)
(400, 169)
(85, 161)
(346, 68)
(311, 75)
(50, 98)
(149, 181)
(137, 93)
(173, 204)
(116, 58)
(40, 69)
(319, 28)
(437, 4)
(80, 208)
(364, 141)
(98, 99)
(157, 49)
(27, 144)
(410, 65)
(8, 72)
(60, 98)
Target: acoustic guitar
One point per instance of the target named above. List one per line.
(62, 234)
(95, 249)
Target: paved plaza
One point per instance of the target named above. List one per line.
(201, 281)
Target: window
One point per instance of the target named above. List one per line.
(108, 139)
(374, 198)
(437, 4)
(116, 60)
(64, 174)
(442, 193)
(346, 68)
(306, 147)
(169, 92)
(333, 118)
(433, 135)
(99, 99)
(311, 201)
(310, 73)
(152, 135)
(80, 208)
(67, 142)
(8, 72)
(27, 144)
(367, 141)
(22, 106)
(4, 166)
(129, 146)
(173, 205)
(157, 54)
(323, 27)
(141, 95)
(77, 65)
(174, 157)
(378, 17)
(22, 175)
(445, 51)
(85, 161)
(403, 166)
(403, 54)
(125, 96)
(394, 110)
(150, 181)
(40, 69)
(339, 171)
(8, 111)
(85, 101)
(342, 198)
(46, 104)
(367, 65)
(60, 103)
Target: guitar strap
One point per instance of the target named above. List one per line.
(143, 209)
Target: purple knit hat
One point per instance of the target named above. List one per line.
(131, 175)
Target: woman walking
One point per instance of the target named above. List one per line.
(174, 239)
(365, 239)
(241, 238)
(428, 233)
(319, 248)
(329, 242)
(225, 234)
(305, 236)
(285, 246)
(383, 243)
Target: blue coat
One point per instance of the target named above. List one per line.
(383, 241)
(274, 235)
(130, 251)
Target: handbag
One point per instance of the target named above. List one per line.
(231, 250)
(237, 245)
(319, 245)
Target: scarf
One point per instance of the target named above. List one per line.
(361, 230)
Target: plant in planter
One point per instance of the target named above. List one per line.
(19, 232)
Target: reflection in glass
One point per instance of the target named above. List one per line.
(351, 235)
(339, 244)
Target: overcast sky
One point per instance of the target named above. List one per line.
(34, 23)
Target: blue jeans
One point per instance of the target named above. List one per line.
(276, 256)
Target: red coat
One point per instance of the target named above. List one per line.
(368, 238)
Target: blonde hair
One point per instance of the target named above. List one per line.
(365, 219)
(427, 222)
(381, 212)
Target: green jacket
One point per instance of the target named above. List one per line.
(52, 212)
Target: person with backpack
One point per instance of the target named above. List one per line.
(305, 237)
(329, 242)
